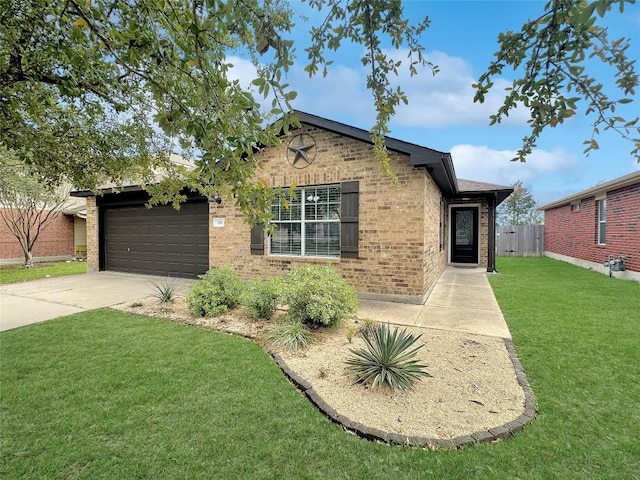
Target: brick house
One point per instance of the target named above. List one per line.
(63, 238)
(390, 241)
(587, 227)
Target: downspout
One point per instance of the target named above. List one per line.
(491, 253)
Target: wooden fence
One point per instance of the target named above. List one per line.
(520, 241)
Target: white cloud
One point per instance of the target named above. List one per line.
(342, 90)
(484, 164)
(446, 98)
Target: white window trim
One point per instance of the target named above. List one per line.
(303, 222)
(600, 221)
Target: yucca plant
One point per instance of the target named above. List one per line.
(166, 290)
(387, 359)
(290, 334)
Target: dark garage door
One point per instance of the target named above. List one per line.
(157, 241)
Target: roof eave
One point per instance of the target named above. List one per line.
(439, 164)
(106, 190)
(500, 194)
(614, 184)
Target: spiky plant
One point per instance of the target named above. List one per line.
(290, 334)
(166, 290)
(387, 359)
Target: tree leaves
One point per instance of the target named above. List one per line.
(547, 54)
(104, 90)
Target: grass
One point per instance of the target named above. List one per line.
(105, 395)
(16, 273)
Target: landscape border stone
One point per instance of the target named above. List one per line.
(369, 433)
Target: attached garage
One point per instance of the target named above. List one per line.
(157, 241)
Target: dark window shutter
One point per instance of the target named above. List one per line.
(257, 240)
(349, 219)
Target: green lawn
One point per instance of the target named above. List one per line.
(104, 395)
(16, 273)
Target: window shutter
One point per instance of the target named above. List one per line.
(257, 240)
(349, 219)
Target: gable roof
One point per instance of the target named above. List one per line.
(599, 189)
(472, 187)
(439, 164)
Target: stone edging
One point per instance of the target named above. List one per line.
(495, 433)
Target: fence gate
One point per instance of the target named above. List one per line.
(519, 240)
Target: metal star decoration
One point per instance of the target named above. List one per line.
(300, 149)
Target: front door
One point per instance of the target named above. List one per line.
(464, 235)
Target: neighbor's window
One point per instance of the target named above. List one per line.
(601, 205)
(307, 225)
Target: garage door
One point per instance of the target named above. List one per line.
(157, 241)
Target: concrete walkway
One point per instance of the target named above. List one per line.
(39, 300)
(462, 300)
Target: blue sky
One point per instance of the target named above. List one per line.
(462, 40)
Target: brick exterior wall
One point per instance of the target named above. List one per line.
(399, 253)
(93, 250)
(574, 233)
(434, 254)
(56, 239)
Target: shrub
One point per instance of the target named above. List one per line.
(367, 325)
(291, 334)
(217, 290)
(388, 358)
(350, 333)
(261, 297)
(319, 295)
(166, 290)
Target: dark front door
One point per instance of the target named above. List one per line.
(464, 235)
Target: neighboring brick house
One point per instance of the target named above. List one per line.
(64, 237)
(56, 240)
(390, 241)
(587, 227)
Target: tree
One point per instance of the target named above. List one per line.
(27, 205)
(550, 54)
(519, 208)
(104, 89)
(101, 89)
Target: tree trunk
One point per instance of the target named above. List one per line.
(27, 259)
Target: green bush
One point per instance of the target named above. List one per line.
(291, 334)
(387, 359)
(217, 290)
(261, 297)
(318, 295)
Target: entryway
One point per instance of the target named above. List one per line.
(464, 235)
(461, 301)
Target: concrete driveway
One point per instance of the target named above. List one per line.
(39, 300)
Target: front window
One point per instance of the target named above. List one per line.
(307, 224)
(602, 221)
